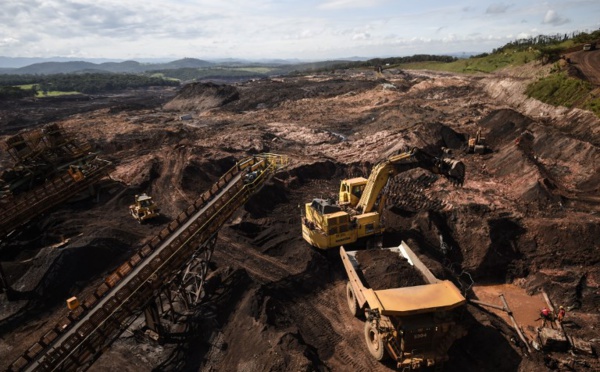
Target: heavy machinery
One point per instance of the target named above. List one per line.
(476, 144)
(327, 224)
(174, 263)
(144, 208)
(415, 325)
(49, 166)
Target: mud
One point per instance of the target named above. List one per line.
(527, 214)
(383, 269)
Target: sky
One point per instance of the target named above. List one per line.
(266, 29)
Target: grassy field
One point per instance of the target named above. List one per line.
(55, 93)
(487, 63)
(558, 89)
(256, 70)
(160, 75)
(593, 104)
(50, 93)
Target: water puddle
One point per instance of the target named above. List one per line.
(525, 308)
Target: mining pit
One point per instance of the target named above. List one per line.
(526, 215)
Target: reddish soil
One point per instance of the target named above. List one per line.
(384, 269)
(525, 308)
(588, 62)
(526, 214)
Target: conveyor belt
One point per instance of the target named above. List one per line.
(79, 339)
(24, 207)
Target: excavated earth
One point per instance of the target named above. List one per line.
(526, 214)
(383, 269)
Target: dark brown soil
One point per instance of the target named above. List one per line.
(527, 213)
(384, 269)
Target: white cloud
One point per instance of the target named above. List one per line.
(267, 28)
(7, 41)
(361, 36)
(497, 8)
(551, 18)
(345, 4)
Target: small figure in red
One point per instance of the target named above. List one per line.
(546, 315)
(561, 314)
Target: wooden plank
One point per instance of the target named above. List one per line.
(514, 322)
(477, 302)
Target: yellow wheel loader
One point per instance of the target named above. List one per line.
(144, 208)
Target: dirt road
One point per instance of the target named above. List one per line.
(589, 64)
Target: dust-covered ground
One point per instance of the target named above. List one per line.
(527, 214)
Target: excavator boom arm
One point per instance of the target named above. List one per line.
(415, 158)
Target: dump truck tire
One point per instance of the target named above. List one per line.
(352, 301)
(375, 342)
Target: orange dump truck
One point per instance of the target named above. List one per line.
(414, 325)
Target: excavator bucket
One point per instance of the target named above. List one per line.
(455, 171)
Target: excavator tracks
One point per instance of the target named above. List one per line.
(80, 338)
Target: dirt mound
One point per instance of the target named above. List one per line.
(452, 139)
(527, 212)
(503, 126)
(265, 94)
(575, 72)
(202, 96)
(384, 269)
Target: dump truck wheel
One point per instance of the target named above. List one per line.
(352, 301)
(375, 342)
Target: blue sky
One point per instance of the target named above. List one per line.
(304, 29)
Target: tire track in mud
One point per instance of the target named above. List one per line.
(353, 350)
(261, 267)
(589, 64)
(320, 312)
(324, 323)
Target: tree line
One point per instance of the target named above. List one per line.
(578, 37)
(89, 83)
(16, 92)
(190, 74)
(392, 61)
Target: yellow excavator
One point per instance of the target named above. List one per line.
(328, 224)
(476, 144)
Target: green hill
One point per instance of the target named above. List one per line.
(563, 86)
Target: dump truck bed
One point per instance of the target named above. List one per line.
(415, 300)
(435, 296)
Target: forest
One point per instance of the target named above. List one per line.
(89, 83)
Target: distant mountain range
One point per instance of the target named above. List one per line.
(64, 65)
(67, 67)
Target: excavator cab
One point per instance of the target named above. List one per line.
(144, 208)
(351, 190)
